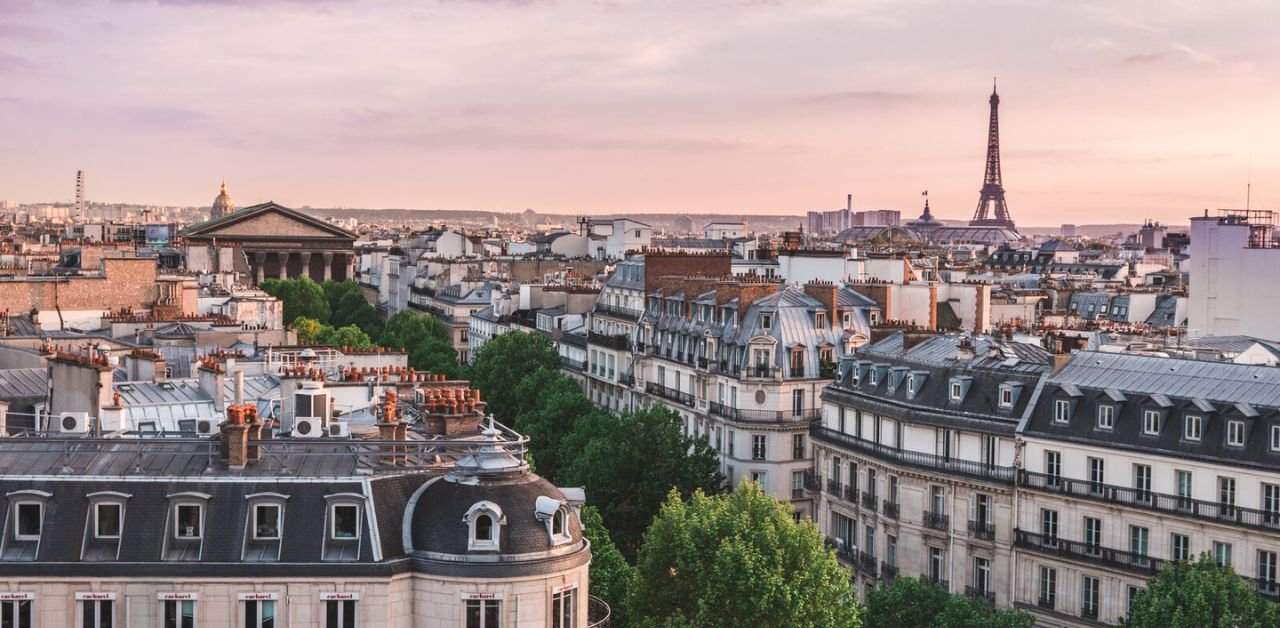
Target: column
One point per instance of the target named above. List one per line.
(261, 258)
(328, 266)
(306, 264)
(284, 265)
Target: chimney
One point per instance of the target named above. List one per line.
(4, 418)
(964, 349)
(212, 381)
(828, 294)
(255, 425)
(848, 204)
(234, 438)
(112, 417)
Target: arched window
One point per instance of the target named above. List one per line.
(557, 523)
(484, 528)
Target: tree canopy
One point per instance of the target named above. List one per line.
(426, 339)
(629, 463)
(910, 602)
(301, 297)
(502, 363)
(1200, 594)
(738, 560)
(554, 403)
(347, 306)
(311, 330)
(611, 575)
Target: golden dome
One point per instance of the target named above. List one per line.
(222, 205)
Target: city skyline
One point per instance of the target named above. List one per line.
(1110, 113)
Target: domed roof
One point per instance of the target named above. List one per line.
(439, 519)
(223, 204)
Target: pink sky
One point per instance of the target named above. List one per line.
(1112, 111)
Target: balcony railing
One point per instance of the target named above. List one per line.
(869, 501)
(851, 494)
(570, 363)
(812, 482)
(890, 509)
(598, 612)
(937, 521)
(627, 380)
(1269, 589)
(669, 394)
(763, 416)
(931, 462)
(945, 584)
(1089, 611)
(833, 486)
(1045, 602)
(887, 571)
(618, 312)
(1087, 552)
(1159, 502)
(866, 563)
(982, 530)
(797, 493)
(987, 598)
(618, 341)
(761, 372)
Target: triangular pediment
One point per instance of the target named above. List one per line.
(267, 219)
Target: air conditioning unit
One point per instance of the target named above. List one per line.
(73, 423)
(339, 429)
(307, 428)
(206, 427)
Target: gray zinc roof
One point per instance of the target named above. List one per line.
(1185, 379)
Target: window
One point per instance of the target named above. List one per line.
(30, 515)
(1180, 546)
(982, 575)
(1184, 488)
(982, 508)
(1275, 438)
(1048, 586)
(16, 612)
(1061, 410)
(558, 522)
(340, 614)
(1006, 397)
(484, 528)
(797, 401)
(179, 614)
(1270, 504)
(1139, 543)
(758, 449)
(1106, 417)
(1089, 597)
(797, 482)
(1192, 427)
(1097, 475)
(729, 442)
(1049, 526)
(259, 614)
(1235, 433)
(869, 537)
(1092, 535)
(187, 522)
(1226, 496)
(891, 550)
(1267, 567)
(1151, 422)
(844, 527)
(820, 320)
(1133, 594)
(266, 521)
(990, 449)
(1142, 482)
(766, 321)
(797, 446)
(106, 520)
(1222, 553)
(875, 376)
(345, 520)
(911, 385)
(761, 478)
(937, 564)
(564, 609)
(955, 391)
(939, 500)
(97, 613)
(1053, 466)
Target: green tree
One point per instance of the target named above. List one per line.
(427, 341)
(500, 365)
(629, 463)
(309, 329)
(738, 560)
(910, 602)
(301, 297)
(555, 405)
(347, 306)
(611, 575)
(349, 336)
(1200, 594)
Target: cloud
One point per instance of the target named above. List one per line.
(26, 32)
(1084, 44)
(867, 97)
(493, 138)
(1147, 58)
(14, 63)
(162, 117)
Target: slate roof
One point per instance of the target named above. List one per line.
(445, 502)
(24, 383)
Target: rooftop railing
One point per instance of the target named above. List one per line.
(618, 312)
(670, 394)
(920, 460)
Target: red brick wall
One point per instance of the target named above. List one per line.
(660, 265)
(128, 282)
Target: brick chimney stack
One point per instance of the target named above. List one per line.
(828, 293)
(235, 449)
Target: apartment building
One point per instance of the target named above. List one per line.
(914, 459)
(1132, 461)
(611, 326)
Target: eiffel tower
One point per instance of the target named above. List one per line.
(992, 211)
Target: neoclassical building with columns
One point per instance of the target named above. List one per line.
(270, 241)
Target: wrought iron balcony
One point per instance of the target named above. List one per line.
(761, 372)
(797, 493)
(920, 460)
(618, 312)
(982, 530)
(1088, 552)
(762, 416)
(598, 612)
(869, 501)
(570, 363)
(619, 342)
(987, 598)
(887, 571)
(833, 486)
(812, 482)
(890, 509)
(1159, 502)
(866, 563)
(669, 394)
(627, 380)
(937, 521)
(851, 494)
(945, 584)
(1045, 602)
(1089, 611)
(1269, 589)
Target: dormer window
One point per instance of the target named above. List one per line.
(875, 376)
(30, 518)
(555, 514)
(344, 522)
(1235, 433)
(1106, 416)
(266, 522)
(484, 521)
(188, 521)
(955, 391)
(911, 385)
(558, 524)
(1006, 397)
(1061, 410)
(1192, 427)
(107, 518)
(820, 320)
(766, 321)
(1151, 422)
